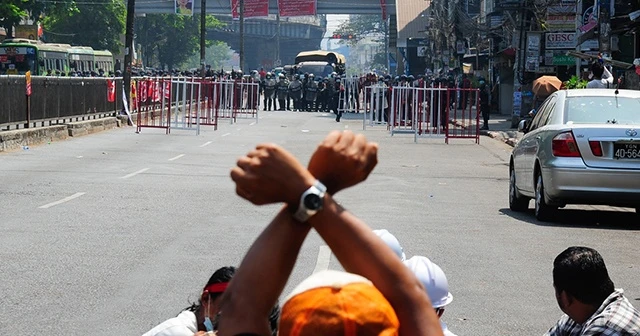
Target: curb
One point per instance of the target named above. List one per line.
(508, 137)
(11, 140)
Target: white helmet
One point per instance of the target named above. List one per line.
(432, 278)
(392, 242)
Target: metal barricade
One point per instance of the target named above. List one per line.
(430, 112)
(224, 97)
(402, 112)
(247, 99)
(185, 110)
(463, 114)
(376, 105)
(151, 103)
(208, 115)
(349, 100)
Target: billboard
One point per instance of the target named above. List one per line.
(252, 8)
(297, 7)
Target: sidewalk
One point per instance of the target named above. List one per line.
(500, 129)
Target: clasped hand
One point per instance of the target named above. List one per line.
(270, 174)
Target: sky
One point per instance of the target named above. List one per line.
(333, 22)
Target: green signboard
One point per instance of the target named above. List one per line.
(564, 60)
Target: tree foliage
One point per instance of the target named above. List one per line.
(170, 39)
(361, 26)
(217, 56)
(98, 25)
(13, 11)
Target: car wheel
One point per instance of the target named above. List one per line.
(517, 202)
(544, 212)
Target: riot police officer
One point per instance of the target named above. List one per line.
(269, 89)
(311, 93)
(282, 91)
(295, 92)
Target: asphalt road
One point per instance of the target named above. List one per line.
(110, 234)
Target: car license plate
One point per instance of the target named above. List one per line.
(626, 150)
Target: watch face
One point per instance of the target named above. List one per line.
(313, 202)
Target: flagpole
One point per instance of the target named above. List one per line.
(242, 35)
(203, 19)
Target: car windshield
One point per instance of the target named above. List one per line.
(318, 70)
(601, 110)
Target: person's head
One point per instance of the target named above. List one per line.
(581, 281)
(392, 242)
(434, 281)
(337, 303)
(597, 70)
(208, 305)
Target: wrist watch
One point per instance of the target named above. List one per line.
(311, 201)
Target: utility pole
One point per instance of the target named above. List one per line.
(605, 28)
(386, 44)
(242, 35)
(203, 27)
(128, 48)
(278, 38)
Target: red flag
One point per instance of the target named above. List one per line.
(150, 89)
(143, 91)
(156, 91)
(134, 98)
(167, 90)
(383, 4)
(111, 91)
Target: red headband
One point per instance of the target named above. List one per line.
(216, 287)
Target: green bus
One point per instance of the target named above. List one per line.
(17, 56)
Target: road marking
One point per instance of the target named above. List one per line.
(224, 135)
(206, 144)
(240, 129)
(135, 173)
(66, 199)
(253, 123)
(324, 257)
(176, 157)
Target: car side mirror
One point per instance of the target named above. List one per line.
(522, 126)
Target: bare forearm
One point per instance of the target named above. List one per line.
(374, 260)
(262, 275)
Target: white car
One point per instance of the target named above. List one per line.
(582, 147)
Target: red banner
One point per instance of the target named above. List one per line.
(297, 7)
(383, 4)
(111, 91)
(252, 8)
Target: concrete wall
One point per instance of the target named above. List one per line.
(11, 140)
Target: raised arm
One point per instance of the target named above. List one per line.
(265, 175)
(261, 277)
(357, 248)
(269, 174)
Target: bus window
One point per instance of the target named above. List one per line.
(17, 60)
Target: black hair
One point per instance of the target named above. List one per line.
(221, 275)
(225, 274)
(581, 272)
(597, 70)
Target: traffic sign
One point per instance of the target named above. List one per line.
(28, 81)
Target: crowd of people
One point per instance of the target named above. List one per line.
(381, 292)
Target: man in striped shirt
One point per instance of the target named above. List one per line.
(587, 296)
